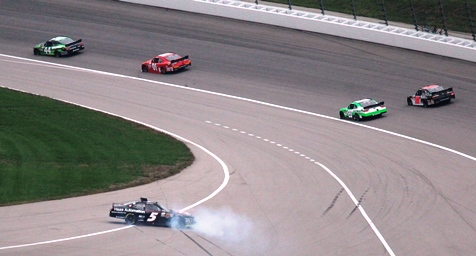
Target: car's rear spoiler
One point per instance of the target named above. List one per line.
(179, 59)
(75, 42)
(375, 105)
(442, 91)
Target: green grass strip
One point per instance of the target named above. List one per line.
(51, 150)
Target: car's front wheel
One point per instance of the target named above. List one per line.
(131, 219)
(409, 102)
(144, 68)
(36, 52)
(178, 223)
(341, 115)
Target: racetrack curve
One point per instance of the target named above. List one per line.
(421, 198)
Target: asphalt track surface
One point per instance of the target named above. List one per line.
(279, 200)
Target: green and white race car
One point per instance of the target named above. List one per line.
(363, 108)
(59, 46)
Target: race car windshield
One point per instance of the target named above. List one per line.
(66, 40)
(163, 207)
(173, 57)
(368, 103)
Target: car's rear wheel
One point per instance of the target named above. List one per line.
(356, 117)
(36, 52)
(57, 54)
(341, 115)
(144, 68)
(163, 70)
(409, 102)
(131, 219)
(425, 103)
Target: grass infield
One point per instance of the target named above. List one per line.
(52, 150)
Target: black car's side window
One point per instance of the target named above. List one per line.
(418, 93)
(351, 106)
(151, 208)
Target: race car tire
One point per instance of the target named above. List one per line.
(409, 102)
(36, 52)
(163, 70)
(425, 103)
(130, 219)
(341, 115)
(144, 69)
(57, 54)
(356, 117)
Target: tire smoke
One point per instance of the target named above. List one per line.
(222, 224)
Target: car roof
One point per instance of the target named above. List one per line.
(433, 87)
(59, 38)
(430, 86)
(364, 100)
(166, 54)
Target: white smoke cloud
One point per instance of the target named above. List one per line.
(222, 224)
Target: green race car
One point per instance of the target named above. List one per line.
(363, 108)
(59, 46)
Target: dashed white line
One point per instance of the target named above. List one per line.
(349, 193)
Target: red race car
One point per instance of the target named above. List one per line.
(166, 62)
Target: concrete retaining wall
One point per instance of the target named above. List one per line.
(315, 22)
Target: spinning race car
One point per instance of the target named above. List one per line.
(152, 213)
(165, 63)
(363, 108)
(431, 95)
(59, 46)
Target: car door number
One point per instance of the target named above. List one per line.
(152, 216)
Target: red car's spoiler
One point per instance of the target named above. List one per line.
(179, 59)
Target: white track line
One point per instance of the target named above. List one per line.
(65, 239)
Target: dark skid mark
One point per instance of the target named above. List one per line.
(333, 202)
(358, 204)
(213, 244)
(195, 242)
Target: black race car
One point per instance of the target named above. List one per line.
(431, 95)
(153, 213)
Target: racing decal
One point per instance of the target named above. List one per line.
(152, 217)
(417, 100)
(47, 50)
(154, 67)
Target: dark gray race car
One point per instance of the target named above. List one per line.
(152, 213)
